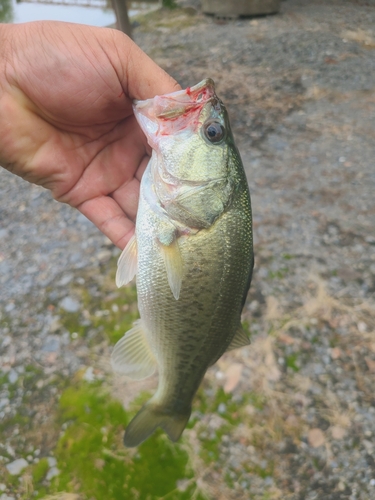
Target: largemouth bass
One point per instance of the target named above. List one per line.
(192, 252)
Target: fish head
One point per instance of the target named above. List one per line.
(189, 132)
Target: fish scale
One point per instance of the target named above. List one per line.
(194, 256)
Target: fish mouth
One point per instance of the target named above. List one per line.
(177, 104)
(189, 99)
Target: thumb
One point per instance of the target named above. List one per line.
(140, 76)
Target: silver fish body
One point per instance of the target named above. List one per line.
(192, 253)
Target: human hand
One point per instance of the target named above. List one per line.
(66, 116)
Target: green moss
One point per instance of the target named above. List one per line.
(211, 445)
(39, 471)
(169, 4)
(8, 423)
(292, 362)
(279, 274)
(110, 312)
(73, 322)
(287, 256)
(94, 462)
(123, 311)
(256, 400)
(231, 412)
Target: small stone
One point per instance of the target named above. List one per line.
(10, 450)
(316, 438)
(66, 279)
(254, 306)
(183, 484)
(6, 341)
(55, 324)
(372, 482)
(233, 376)
(12, 376)
(222, 408)
(362, 327)
(15, 468)
(337, 432)
(4, 402)
(52, 462)
(70, 305)
(368, 446)
(336, 353)
(104, 255)
(53, 472)
(2, 487)
(9, 307)
(4, 496)
(341, 486)
(52, 344)
(89, 374)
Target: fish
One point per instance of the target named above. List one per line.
(192, 254)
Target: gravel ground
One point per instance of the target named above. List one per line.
(299, 88)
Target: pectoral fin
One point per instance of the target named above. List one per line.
(127, 263)
(173, 265)
(132, 355)
(239, 340)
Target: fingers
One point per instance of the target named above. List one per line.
(117, 157)
(140, 76)
(109, 217)
(127, 195)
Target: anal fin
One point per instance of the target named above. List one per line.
(127, 263)
(240, 339)
(132, 355)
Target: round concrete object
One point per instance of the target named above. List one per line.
(240, 7)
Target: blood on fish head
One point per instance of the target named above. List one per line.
(173, 113)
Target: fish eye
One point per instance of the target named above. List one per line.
(214, 132)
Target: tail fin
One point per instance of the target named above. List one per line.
(149, 418)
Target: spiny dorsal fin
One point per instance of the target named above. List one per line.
(239, 340)
(173, 265)
(127, 263)
(132, 355)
